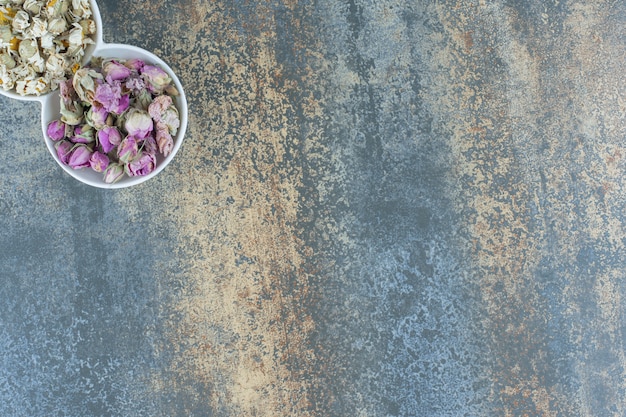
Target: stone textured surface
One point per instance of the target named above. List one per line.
(381, 208)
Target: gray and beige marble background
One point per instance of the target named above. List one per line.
(381, 208)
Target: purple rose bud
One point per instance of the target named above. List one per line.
(128, 149)
(156, 78)
(143, 165)
(135, 84)
(80, 157)
(150, 145)
(113, 173)
(110, 96)
(138, 123)
(114, 71)
(97, 116)
(122, 104)
(64, 149)
(83, 134)
(109, 137)
(164, 140)
(56, 130)
(99, 161)
(134, 64)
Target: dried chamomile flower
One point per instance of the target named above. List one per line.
(6, 35)
(21, 21)
(7, 60)
(57, 25)
(33, 6)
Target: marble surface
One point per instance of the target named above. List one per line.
(381, 208)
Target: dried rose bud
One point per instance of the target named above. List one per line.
(156, 78)
(83, 134)
(109, 137)
(80, 156)
(163, 111)
(127, 149)
(134, 64)
(84, 83)
(140, 166)
(113, 173)
(97, 116)
(164, 139)
(99, 161)
(56, 130)
(64, 150)
(109, 95)
(150, 145)
(72, 113)
(138, 123)
(114, 71)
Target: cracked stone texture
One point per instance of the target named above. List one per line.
(381, 208)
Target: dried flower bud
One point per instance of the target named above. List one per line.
(57, 25)
(72, 113)
(56, 130)
(97, 116)
(140, 166)
(7, 60)
(138, 123)
(89, 26)
(109, 94)
(109, 137)
(99, 161)
(32, 6)
(64, 150)
(80, 156)
(114, 71)
(163, 111)
(28, 48)
(127, 149)
(156, 78)
(21, 21)
(164, 140)
(83, 134)
(113, 173)
(84, 83)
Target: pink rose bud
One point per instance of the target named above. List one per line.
(150, 145)
(97, 116)
(134, 64)
(110, 96)
(127, 149)
(143, 165)
(114, 71)
(138, 123)
(56, 130)
(156, 78)
(64, 149)
(99, 161)
(113, 173)
(83, 134)
(80, 157)
(109, 137)
(163, 111)
(164, 140)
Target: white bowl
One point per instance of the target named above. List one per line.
(51, 107)
(89, 49)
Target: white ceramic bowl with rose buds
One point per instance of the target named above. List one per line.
(51, 107)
